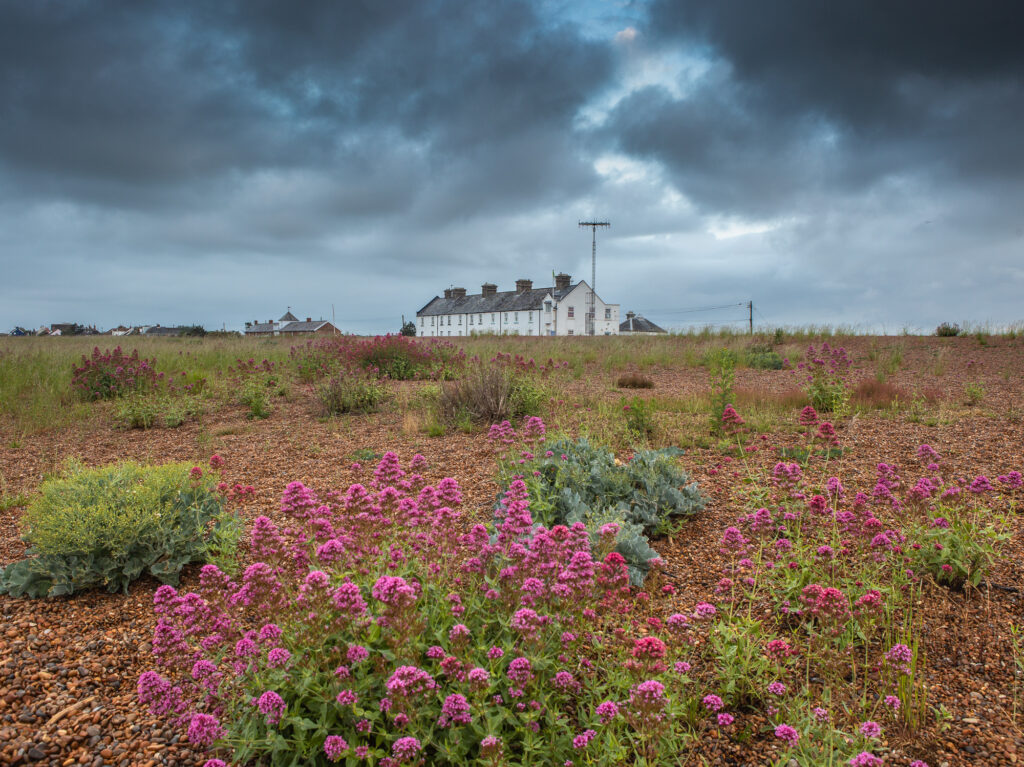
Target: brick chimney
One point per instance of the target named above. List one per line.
(309, 319)
(447, 292)
(488, 289)
(458, 292)
(523, 285)
(562, 281)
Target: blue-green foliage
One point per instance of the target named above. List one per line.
(647, 496)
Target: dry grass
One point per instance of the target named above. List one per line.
(872, 393)
(634, 381)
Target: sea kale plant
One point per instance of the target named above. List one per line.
(572, 481)
(107, 527)
(376, 626)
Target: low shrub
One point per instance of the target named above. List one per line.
(634, 381)
(825, 375)
(574, 481)
(107, 527)
(397, 357)
(153, 410)
(974, 393)
(490, 393)
(958, 546)
(762, 357)
(639, 415)
(721, 365)
(350, 393)
(948, 330)
(872, 393)
(110, 374)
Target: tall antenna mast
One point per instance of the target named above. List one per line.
(591, 300)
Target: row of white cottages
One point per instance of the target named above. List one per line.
(561, 310)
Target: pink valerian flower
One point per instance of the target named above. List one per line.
(409, 681)
(820, 714)
(527, 622)
(808, 416)
(900, 657)
(490, 746)
(827, 433)
(455, 710)
(724, 720)
(196, 473)
(778, 650)
(495, 652)
(681, 667)
(704, 611)
(581, 741)
(606, 711)
(892, 702)
(731, 420)
(406, 749)
(222, 763)
(347, 698)
(785, 732)
(648, 700)
(272, 706)
(278, 657)
(520, 671)
(216, 461)
(867, 759)
(649, 648)
(777, 688)
(563, 680)
(356, 654)
(980, 484)
(204, 729)
(918, 763)
(479, 678)
(712, 703)
(871, 729)
(334, 747)
(733, 541)
(394, 591)
(1012, 480)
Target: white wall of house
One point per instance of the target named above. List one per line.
(565, 317)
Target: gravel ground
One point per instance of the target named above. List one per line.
(68, 666)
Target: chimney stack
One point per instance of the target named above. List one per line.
(562, 281)
(630, 315)
(523, 285)
(488, 289)
(309, 319)
(447, 292)
(458, 292)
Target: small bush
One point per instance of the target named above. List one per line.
(826, 372)
(948, 330)
(762, 357)
(110, 374)
(958, 547)
(350, 393)
(721, 366)
(634, 381)
(148, 411)
(639, 414)
(255, 395)
(107, 527)
(974, 393)
(872, 393)
(489, 394)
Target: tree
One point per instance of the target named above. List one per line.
(409, 328)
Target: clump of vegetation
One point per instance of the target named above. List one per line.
(634, 381)
(825, 378)
(974, 393)
(574, 481)
(948, 330)
(721, 366)
(762, 357)
(639, 415)
(398, 357)
(872, 393)
(155, 410)
(108, 526)
(109, 374)
(353, 393)
(255, 383)
(485, 394)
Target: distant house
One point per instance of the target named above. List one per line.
(310, 327)
(560, 310)
(635, 325)
(159, 330)
(289, 325)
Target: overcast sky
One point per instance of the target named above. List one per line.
(181, 162)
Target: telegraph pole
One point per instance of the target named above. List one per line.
(591, 298)
(750, 307)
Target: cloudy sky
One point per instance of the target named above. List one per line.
(856, 163)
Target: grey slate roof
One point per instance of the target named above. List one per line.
(289, 317)
(506, 301)
(162, 331)
(639, 324)
(261, 327)
(304, 327)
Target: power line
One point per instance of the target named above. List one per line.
(690, 311)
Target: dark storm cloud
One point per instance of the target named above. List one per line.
(137, 104)
(807, 98)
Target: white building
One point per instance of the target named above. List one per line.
(527, 311)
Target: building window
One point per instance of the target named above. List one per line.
(449, 322)
(421, 322)
(506, 316)
(547, 306)
(480, 319)
(530, 317)
(516, 315)
(460, 319)
(570, 331)
(471, 319)
(572, 311)
(492, 318)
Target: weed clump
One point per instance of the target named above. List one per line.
(110, 374)
(350, 394)
(634, 381)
